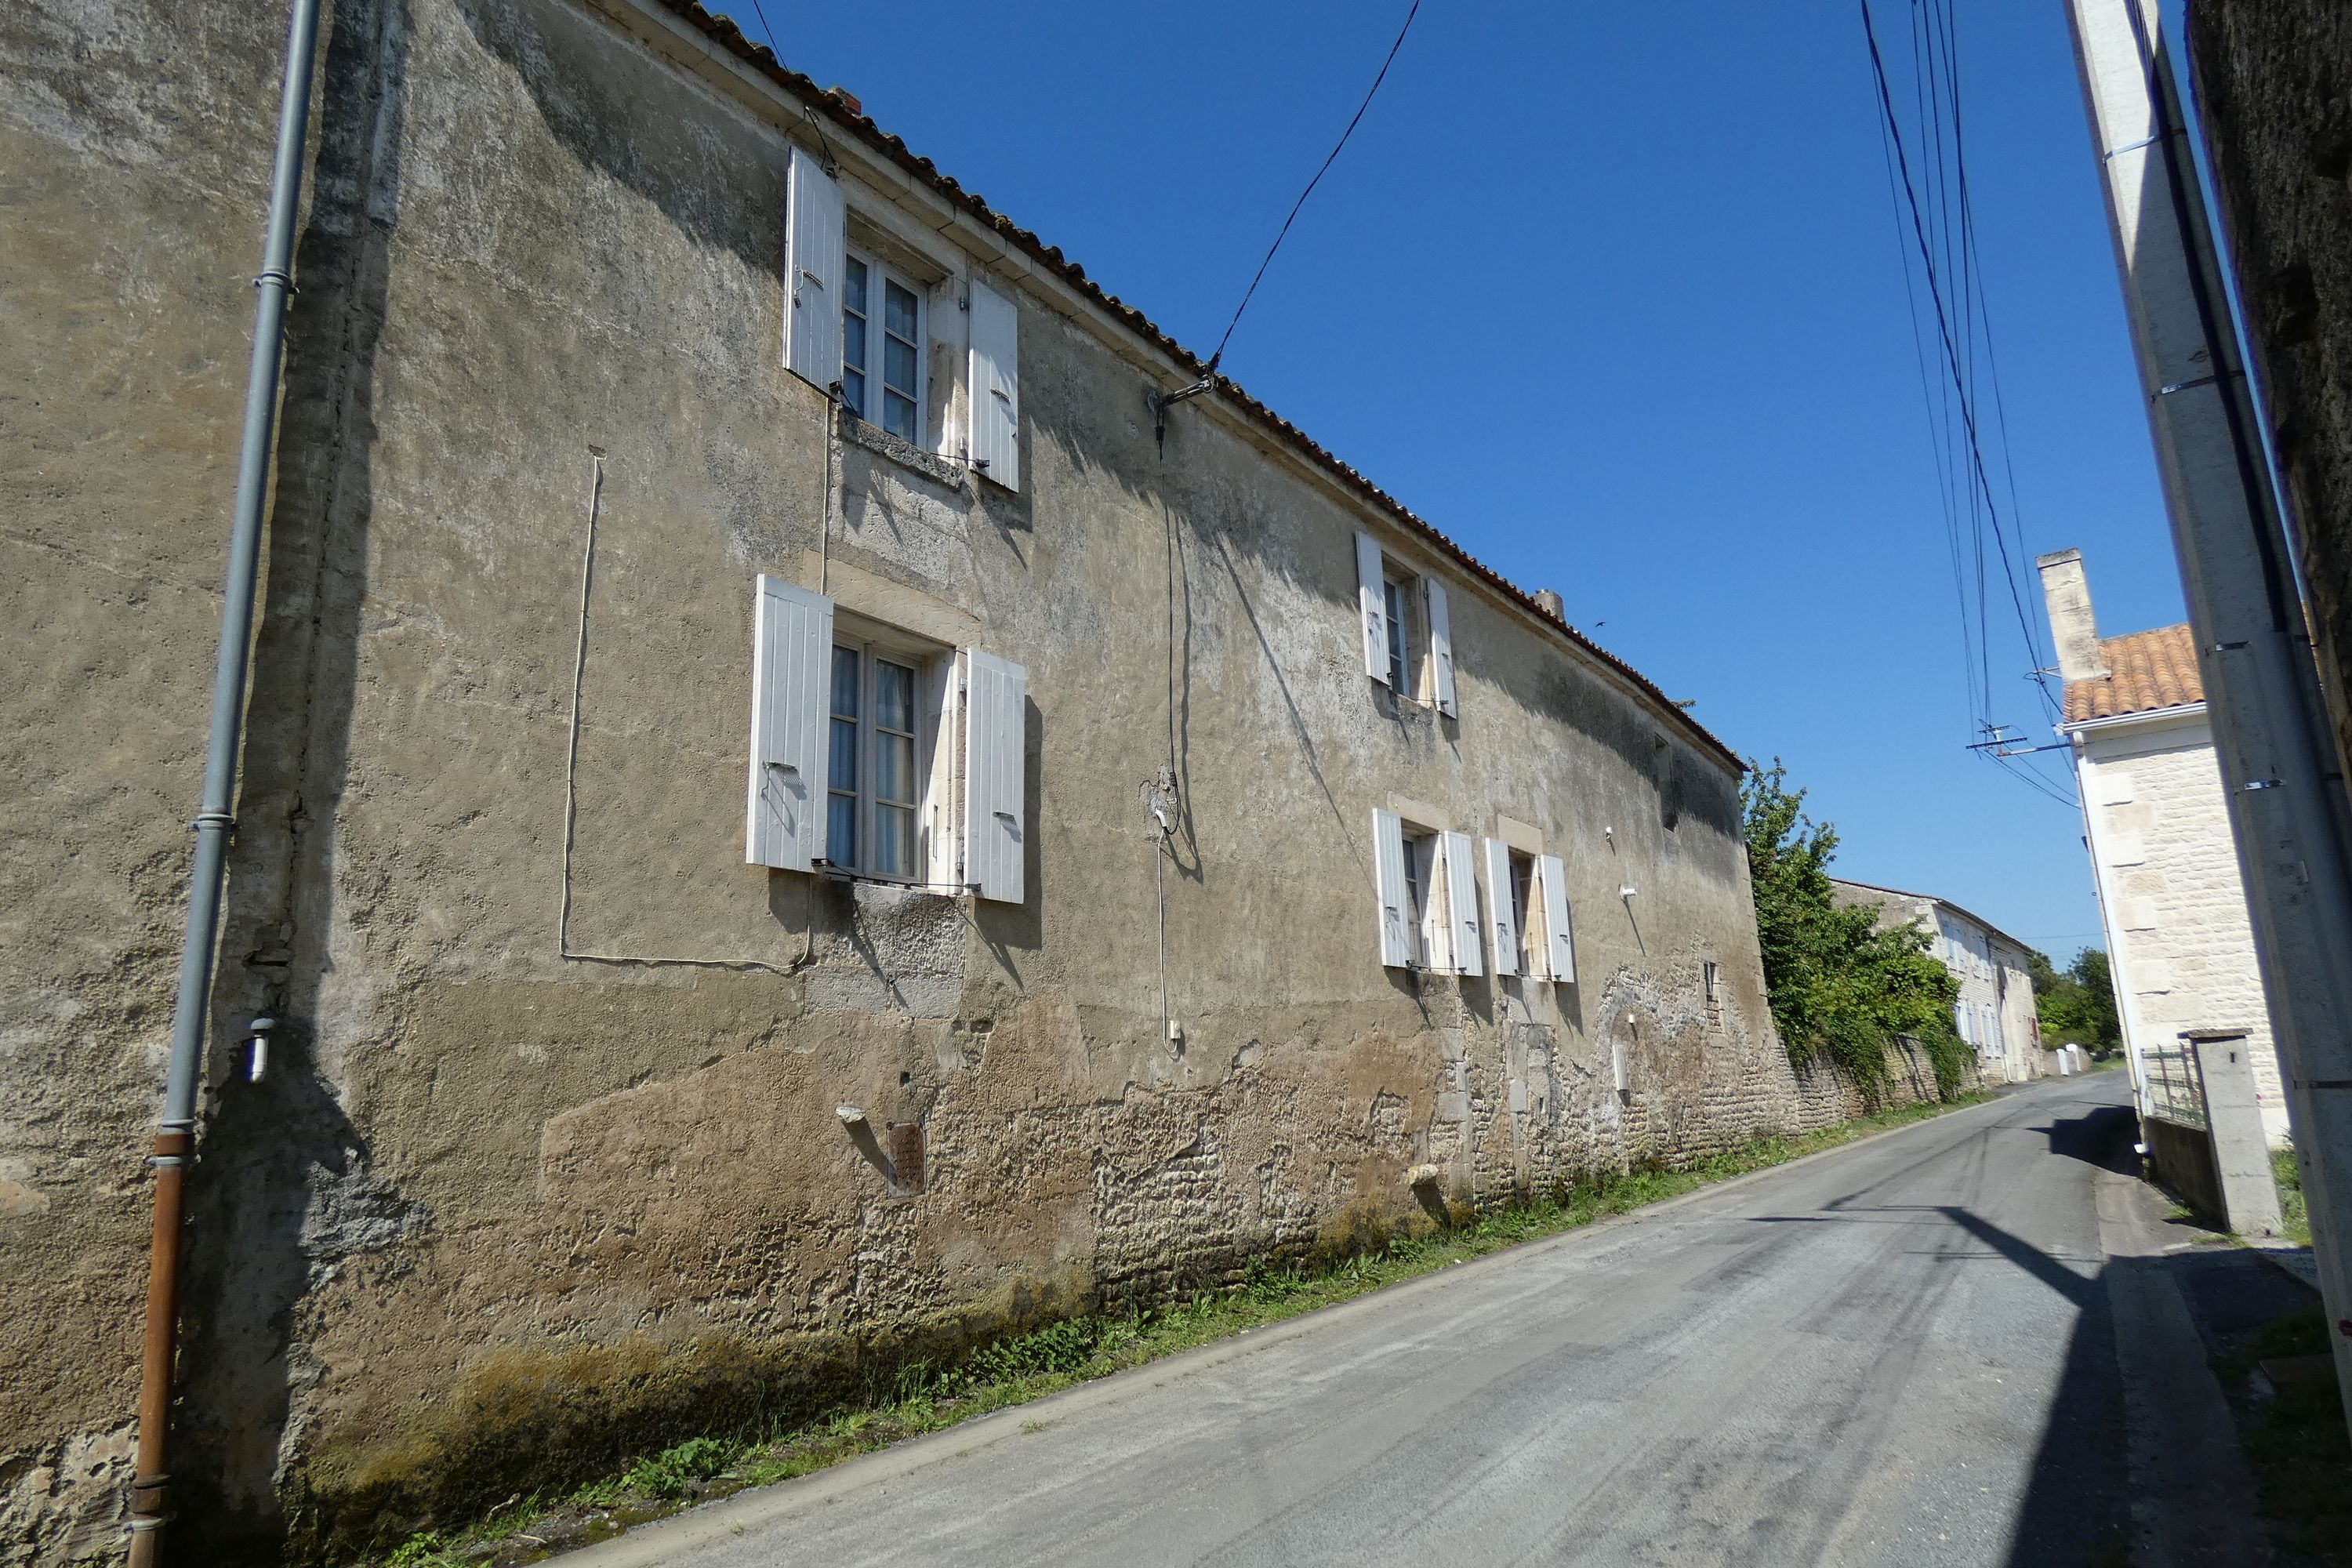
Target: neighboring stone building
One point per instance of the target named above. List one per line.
(1995, 1013)
(546, 1163)
(2180, 945)
(2274, 88)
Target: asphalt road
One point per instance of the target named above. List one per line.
(1907, 1351)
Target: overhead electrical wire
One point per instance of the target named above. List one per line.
(1937, 230)
(1411, 12)
(1944, 485)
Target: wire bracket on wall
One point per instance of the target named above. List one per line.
(1161, 401)
(808, 111)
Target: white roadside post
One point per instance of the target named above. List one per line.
(2278, 763)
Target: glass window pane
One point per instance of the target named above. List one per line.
(898, 366)
(897, 309)
(894, 767)
(840, 830)
(841, 771)
(898, 415)
(853, 342)
(845, 683)
(853, 291)
(893, 841)
(853, 392)
(894, 696)
(1400, 672)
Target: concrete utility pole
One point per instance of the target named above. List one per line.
(2254, 646)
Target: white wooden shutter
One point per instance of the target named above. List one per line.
(1503, 930)
(995, 385)
(1461, 902)
(995, 776)
(1372, 599)
(1388, 870)
(1560, 947)
(1440, 644)
(814, 234)
(939, 745)
(791, 663)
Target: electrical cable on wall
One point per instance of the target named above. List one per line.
(563, 948)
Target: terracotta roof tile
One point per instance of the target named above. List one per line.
(820, 101)
(2151, 670)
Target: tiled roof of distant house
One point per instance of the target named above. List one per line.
(2152, 671)
(1846, 890)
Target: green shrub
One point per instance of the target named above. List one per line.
(1839, 988)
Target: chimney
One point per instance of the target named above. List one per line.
(1551, 605)
(2073, 627)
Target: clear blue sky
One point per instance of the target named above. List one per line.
(1611, 295)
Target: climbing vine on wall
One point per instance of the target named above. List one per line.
(1839, 987)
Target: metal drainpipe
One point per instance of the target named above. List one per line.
(176, 1134)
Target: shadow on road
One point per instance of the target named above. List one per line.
(2103, 1138)
(2077, 1506)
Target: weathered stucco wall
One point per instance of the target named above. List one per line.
(508, 1189)
(2274, 86)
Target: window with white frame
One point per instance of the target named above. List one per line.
(1408, 629)
(873, 793)
(857, 322)
(876, 753)
(1420, 906)
(882, 348)
(1527, 905)
(1428, 893)
(1405, 661)
(1529, 948)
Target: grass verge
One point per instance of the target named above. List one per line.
(1076, 1350)
(2291, 1421)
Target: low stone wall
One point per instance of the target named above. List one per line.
(1827, 1094)
(2182, 1158)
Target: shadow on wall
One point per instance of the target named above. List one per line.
(1009, 929)
(599, 97)
(283, 1188)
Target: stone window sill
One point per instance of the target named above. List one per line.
(948, 471)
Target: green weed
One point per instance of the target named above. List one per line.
(673, 1472)
(2294, 1219)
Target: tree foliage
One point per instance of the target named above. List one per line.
(2078, 1002)
(1839, 987)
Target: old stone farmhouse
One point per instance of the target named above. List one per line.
(1994, 1014)
(779, 818)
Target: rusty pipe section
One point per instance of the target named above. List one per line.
(175, 1138)
(151, 1481)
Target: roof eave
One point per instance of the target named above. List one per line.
(816, 101)
(2143, 716)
